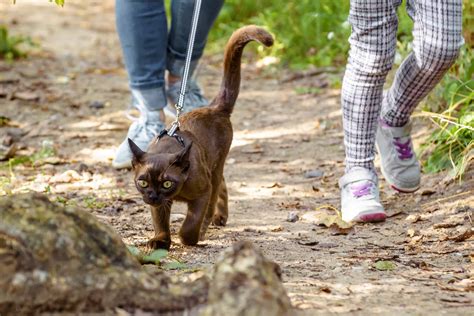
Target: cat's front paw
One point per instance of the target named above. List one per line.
(219, 220)
(158, 243)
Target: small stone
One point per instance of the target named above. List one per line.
(292, 217)
(97, 105)
(313, 174)
(83, 167)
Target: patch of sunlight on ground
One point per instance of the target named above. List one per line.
(273, 132)
(97, 155)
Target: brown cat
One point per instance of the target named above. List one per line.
(189, 166)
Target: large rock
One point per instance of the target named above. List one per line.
(62, 259)
(56, 259)
(244, 282)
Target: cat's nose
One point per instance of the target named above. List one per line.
(153, 197)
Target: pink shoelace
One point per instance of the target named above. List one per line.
(404, 149)
(362, 189)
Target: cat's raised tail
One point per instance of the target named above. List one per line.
(230, 85)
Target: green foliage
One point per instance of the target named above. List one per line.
(306, 32)
(91, 202)
(58, 2)
(47, 150)
(156, 257)
(451, 144)
(385, 265)
(10, 46)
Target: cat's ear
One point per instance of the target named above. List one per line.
(182, 159)
(136, 152)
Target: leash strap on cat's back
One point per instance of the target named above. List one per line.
(184, 78)
(176, 136)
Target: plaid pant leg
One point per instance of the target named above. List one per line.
(437, 38)
(373, 43)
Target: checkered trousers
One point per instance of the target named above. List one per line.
(437, 36)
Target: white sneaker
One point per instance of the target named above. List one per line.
(398, 161)
(360, 201)
(194, 98)
(141, 133)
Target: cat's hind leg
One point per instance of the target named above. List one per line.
(221, 211)
(216, 184)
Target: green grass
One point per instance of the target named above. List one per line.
(306, 32)
(450, 107)
(11, 46)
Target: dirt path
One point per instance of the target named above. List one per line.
(57, 94)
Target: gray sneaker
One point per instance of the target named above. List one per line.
(360, 200)
(193, 100)
(399, 164)
(141, 133)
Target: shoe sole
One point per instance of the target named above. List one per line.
(404, 190)
(373, 218)
(368, 217)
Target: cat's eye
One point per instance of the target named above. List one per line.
(142, 183)
(167, 184)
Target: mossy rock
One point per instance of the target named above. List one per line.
(57, 259)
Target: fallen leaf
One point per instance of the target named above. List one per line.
(155, 256)
(463, 235)
(411, 232)
(325, 289)
(277, 229)
(325, 245)
(134, 250)
(275, 185)
(62, 80)
(413, 218)
(308, 243)
(175, 265)
(385, 265)
(391, 213)
(253, 151)
(8, 152)
(447, 225)
(4, 120)
(26, 96)
(334, 223)
(428, 192)
(465, 285)
(451, 299)
(336, 230)
(66, 177)
(49, 161)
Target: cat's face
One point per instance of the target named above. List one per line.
(159, 177)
